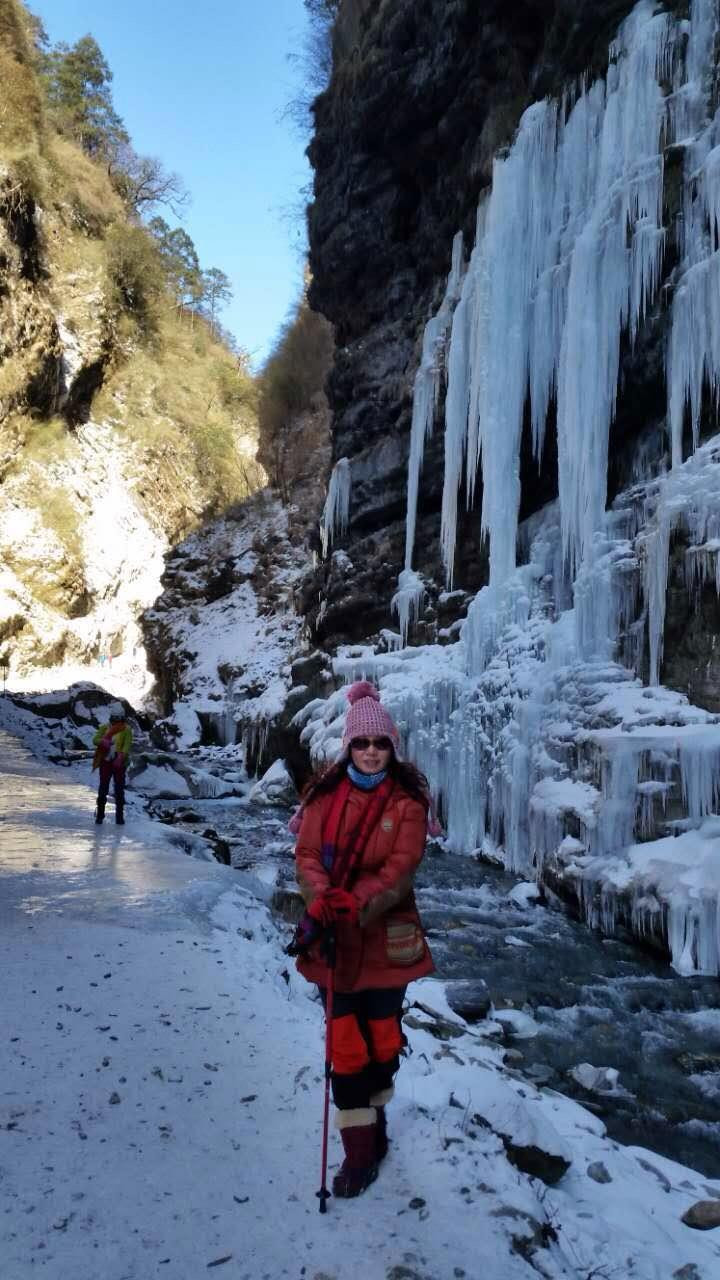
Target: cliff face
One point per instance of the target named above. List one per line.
(424, 94)
(222, 633)
(119, 430)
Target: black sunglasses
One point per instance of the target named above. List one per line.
(362, 744)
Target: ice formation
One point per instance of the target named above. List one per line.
(426, 393)
(535, 729)
(407, 601)
(336, 511)
(687, 499)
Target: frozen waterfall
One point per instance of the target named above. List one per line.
(336, 511)
(538, 735)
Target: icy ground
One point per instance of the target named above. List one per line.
(161, 1093)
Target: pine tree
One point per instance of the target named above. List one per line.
(217, 290)
(78, 83)
(181, 263)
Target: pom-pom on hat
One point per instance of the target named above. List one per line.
(367, 717)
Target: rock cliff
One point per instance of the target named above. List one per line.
(423, 96)
(121, 427)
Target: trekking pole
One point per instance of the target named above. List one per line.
(330, 950)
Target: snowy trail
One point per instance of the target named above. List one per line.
(161, 1090)
(117, 988)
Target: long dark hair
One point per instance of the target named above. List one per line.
(401, 771)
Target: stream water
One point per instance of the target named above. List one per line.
(578, 998)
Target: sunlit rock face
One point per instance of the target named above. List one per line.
(223, 631)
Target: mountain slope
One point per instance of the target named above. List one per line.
(123, 420)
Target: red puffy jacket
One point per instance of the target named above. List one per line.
(387, 948)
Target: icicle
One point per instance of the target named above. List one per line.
(408, 600)
(694, 347)
(428, 380)
(567, 255)
(610, 283)
(336, 511)
(457, 404)
(700, 772)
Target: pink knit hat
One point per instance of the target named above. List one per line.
(367, 717)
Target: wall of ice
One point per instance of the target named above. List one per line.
(536, 730)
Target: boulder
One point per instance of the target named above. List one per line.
(469, 998)
(533, 1159)
(182, 729)
(595, 1079)
(524, 894)
(704, 1215)
(162, 782)
(275, 787)
(532, 1143)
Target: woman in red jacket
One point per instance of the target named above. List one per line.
(360, 841)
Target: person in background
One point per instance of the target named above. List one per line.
(361, 837)
(113, 742)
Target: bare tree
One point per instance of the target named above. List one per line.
(145, 184)
(313, 60)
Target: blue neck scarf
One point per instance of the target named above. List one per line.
(365, 781)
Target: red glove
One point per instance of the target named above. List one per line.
(321, 911)
(344, 905)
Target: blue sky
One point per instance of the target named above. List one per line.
(203, 87)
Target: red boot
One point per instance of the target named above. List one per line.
(359, 1168)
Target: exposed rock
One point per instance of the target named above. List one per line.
(531, 1235)
(221, 636)
(161, 782)
(704, 1215)
(83, 704)
(698, 1063)
(531, 1141)
(598, 1172)
(288, 904)
(599, 1079)
(691, 655)
(468, 998)
(437, 1027)
(275, 787)
(524, 894)
(536, 1162)
(440, 1027)
(180, 730)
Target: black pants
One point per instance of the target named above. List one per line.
(117, 773)
(367, 1041)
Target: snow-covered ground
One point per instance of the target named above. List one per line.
(126, 676)
(162, 1086)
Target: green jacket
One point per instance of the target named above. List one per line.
(122, 741)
